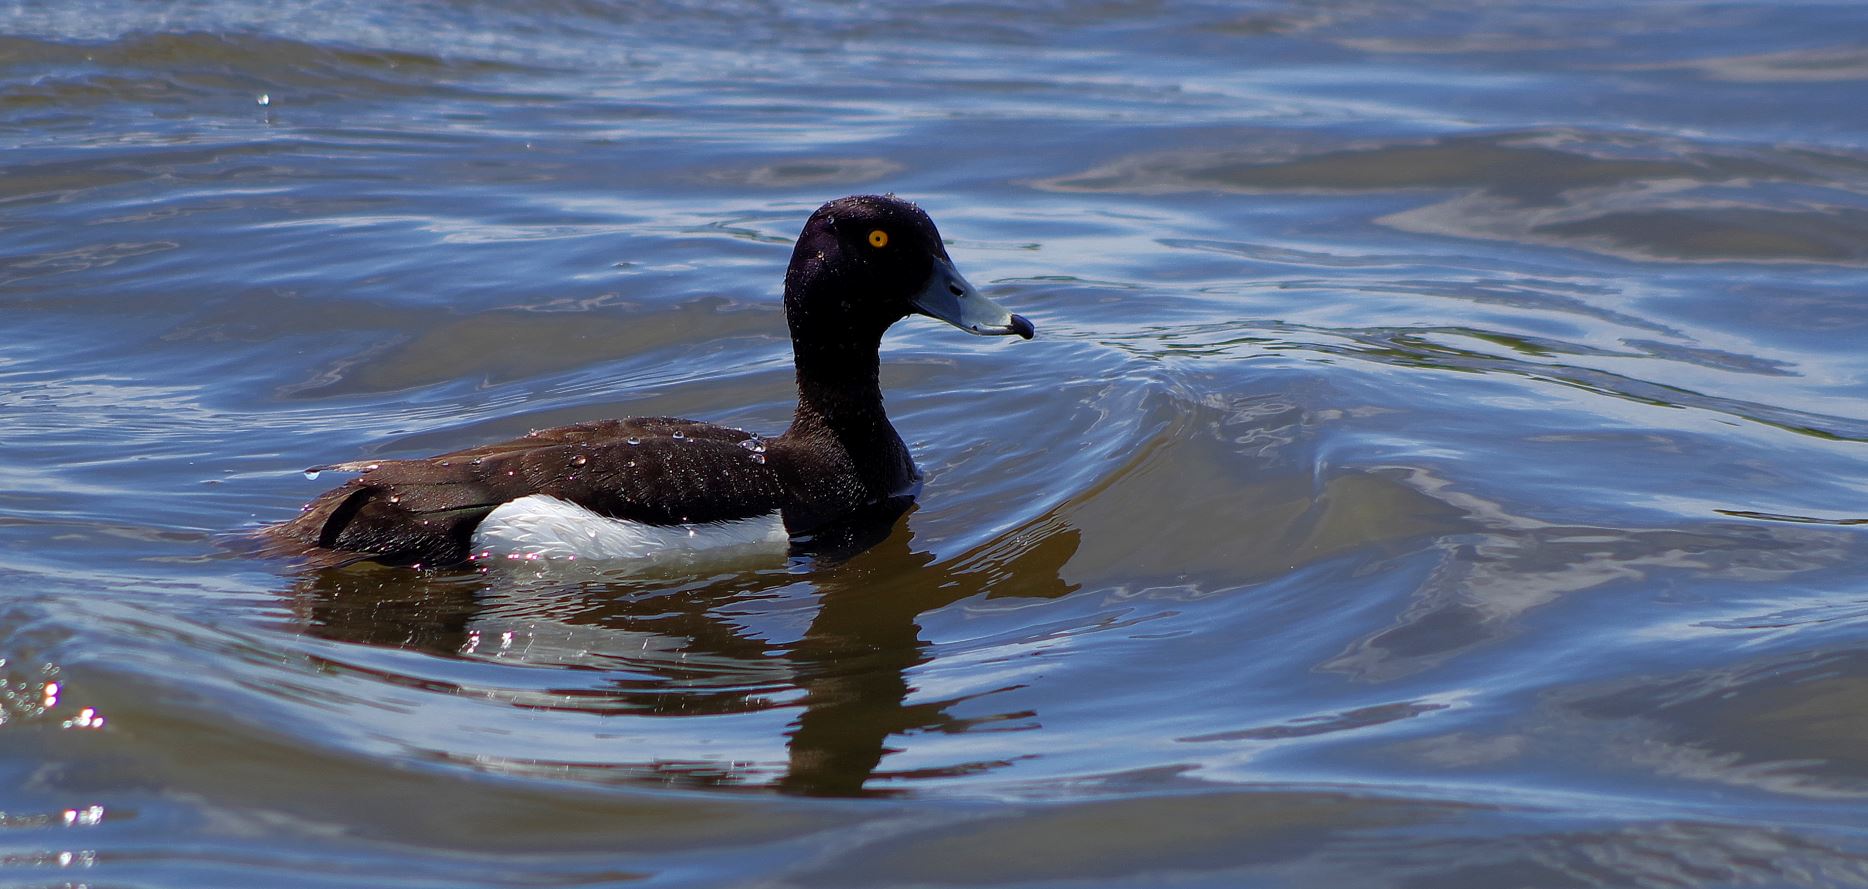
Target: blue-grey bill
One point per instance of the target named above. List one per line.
(951, 299)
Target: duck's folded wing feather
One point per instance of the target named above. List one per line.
(426, 510)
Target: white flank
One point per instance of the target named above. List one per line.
(544, 527)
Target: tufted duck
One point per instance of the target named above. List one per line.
(651, 487)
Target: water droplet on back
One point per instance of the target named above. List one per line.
(758, 458)
(312, 473)
(634, 440)
(579, 460)
(680, 434)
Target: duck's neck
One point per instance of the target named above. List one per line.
(840, 406)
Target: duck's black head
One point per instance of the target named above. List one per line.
(865, 262)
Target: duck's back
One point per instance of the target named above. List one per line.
(656, 472)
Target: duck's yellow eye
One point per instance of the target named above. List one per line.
(878, 238)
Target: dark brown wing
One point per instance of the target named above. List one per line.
(655, 469)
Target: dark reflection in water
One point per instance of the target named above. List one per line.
(848, 670)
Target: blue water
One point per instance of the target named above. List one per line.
(1442, 461)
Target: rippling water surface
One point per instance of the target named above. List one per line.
(1443, 461)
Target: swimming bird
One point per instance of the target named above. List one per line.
(650, 487)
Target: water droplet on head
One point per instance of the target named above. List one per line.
(579, 460)
(633, 440)
(758, 458)
(395, 498)
(477, 460)
(680, 434)
(312, 473)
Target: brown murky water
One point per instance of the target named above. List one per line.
(1442, 462)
